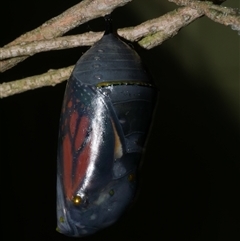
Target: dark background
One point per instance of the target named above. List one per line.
(191, 173)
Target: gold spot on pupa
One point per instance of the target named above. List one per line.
(61, 219)
(131, 177)
(77, 200)
(111, 192)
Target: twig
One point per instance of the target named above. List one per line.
(162, 28)
(86, 39)
(149, 34)
(50, 78)
(157, 30)
(57, 26)
(224, 15)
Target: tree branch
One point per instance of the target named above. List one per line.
(224, 15)
(155, 32)
(158, 30)
(148, 35)
(57, 26)
(86, 39)
(50, 78)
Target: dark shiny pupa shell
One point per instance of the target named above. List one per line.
(106, 114)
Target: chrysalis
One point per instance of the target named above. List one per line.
(105, 118)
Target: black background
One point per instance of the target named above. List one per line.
(190, 175)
